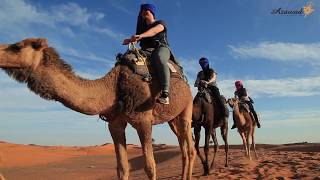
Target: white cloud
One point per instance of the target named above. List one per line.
(108, 32)
(289, 87)
(285, 87)
(279, 51)
(75, 15)
(82, 55)
(16, 96)
(300, 116)
(19, 11)
(120, 7)
(18, 17)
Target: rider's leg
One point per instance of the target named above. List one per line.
(160, 59)
(254, 114)
(234, 122)
(216, 93)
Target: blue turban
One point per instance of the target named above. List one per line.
(150, 7)
(204, 63)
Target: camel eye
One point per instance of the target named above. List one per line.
(36, 45)
(15, 47)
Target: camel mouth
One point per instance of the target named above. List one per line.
(9, 65)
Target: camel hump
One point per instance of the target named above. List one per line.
(139, 61)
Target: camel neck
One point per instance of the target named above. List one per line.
(90, 97)
(236, 109)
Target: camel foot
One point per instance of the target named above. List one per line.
(226, 165)
(206, 170)
(212, 167)
(205, 174)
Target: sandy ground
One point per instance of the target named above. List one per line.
(290, 161)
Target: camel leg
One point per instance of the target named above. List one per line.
(197, 131)
(117, 130)
(224, 134)
(174, 125)
(144, 130)
(186, 118)
(244, 141)
(191, 153)
(185, 158)
(182, 129)
(248, 136)
(206, 150)
(216, 146)
(254, 144)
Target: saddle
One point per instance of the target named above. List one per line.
(205, 93)
(139, 62)
(244, 107)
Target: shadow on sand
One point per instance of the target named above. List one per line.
(137, 163)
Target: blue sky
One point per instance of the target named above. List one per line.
(277, 57)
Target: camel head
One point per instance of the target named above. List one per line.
(24, 54)
(232, 102)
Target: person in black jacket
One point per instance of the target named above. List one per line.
(208, 78)
(242, 95)
(152, 35)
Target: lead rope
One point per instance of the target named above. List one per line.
(132, 47)
(140, 57)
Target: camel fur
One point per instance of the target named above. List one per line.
(246, 124)
(33, 62)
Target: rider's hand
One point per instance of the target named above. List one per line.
(126, 41)
(135, 38)
(204, 82)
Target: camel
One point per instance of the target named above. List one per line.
(1, 177)
(246, 125)
(120, 96)
(206, 115)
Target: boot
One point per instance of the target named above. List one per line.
(256, 119)
(164, 98)
(234, 123)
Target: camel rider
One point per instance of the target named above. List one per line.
(242, 95)
(208, 78)
(152, 35)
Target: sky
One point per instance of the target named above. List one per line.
(276, 56)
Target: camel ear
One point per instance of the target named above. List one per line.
(40, 44)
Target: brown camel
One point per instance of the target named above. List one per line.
(1, 177)
(245, 123)
(205, 114)
(120, 96)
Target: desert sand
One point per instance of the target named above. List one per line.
(288, 161)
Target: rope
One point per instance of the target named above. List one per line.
(132, 47)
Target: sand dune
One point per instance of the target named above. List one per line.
(290, 161)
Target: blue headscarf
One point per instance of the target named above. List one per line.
(150, 7)
(141, 24)
(204, 63)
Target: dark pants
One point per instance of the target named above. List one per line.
(160, 58)
(216, 95)
(253, 111)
